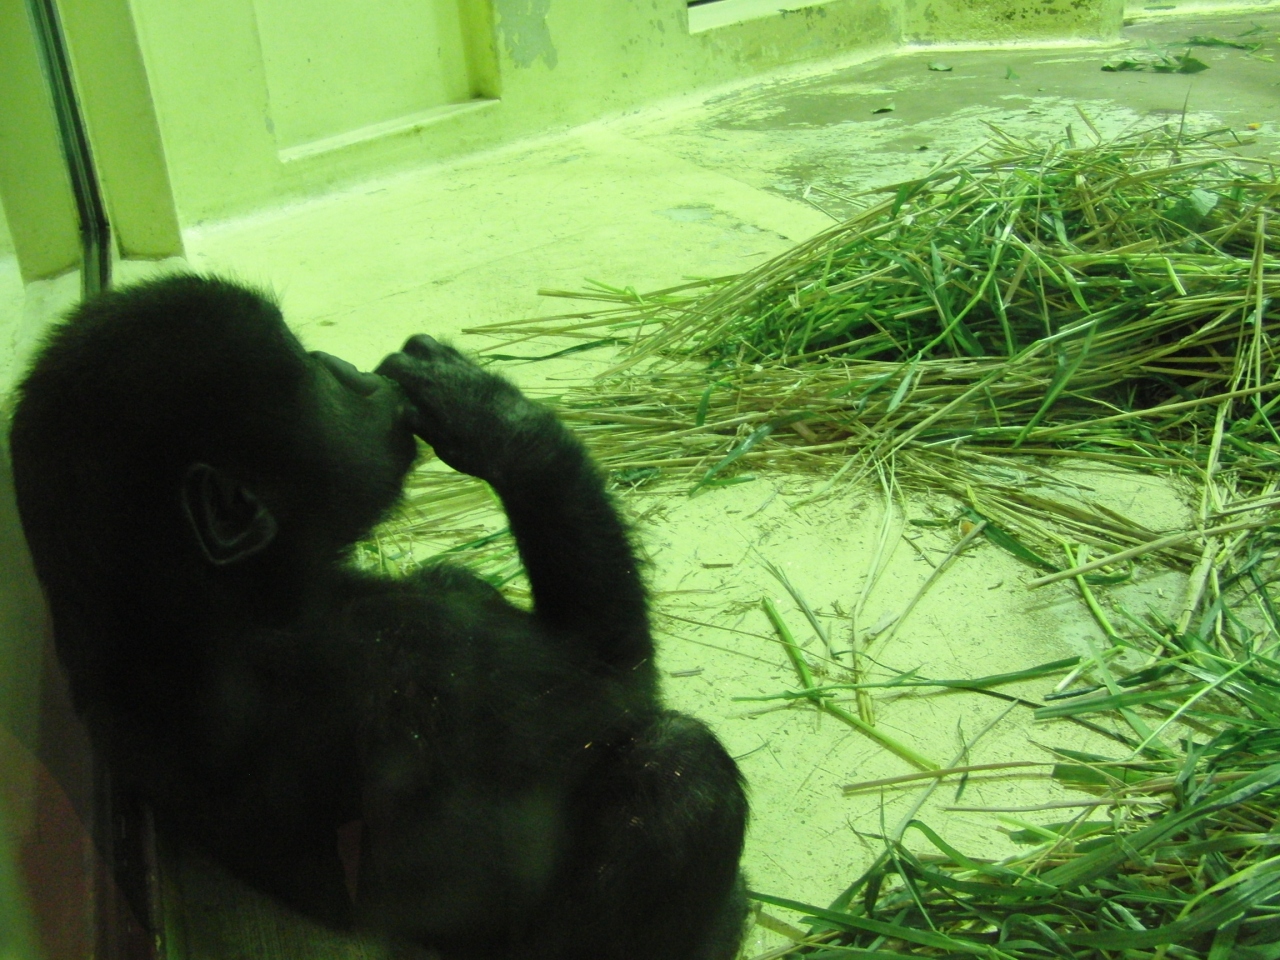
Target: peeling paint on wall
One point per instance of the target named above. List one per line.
(523, 25)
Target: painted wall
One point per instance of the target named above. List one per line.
(34, 187)
(35, 191)
(255, 107)
(202, 111)
(6, 241)
(116, 101)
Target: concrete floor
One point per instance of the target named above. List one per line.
(711, 186)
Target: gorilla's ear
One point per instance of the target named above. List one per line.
(229, 521)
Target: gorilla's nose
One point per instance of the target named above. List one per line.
(355, 380)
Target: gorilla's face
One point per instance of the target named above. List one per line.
(352, 447)
(367, 416)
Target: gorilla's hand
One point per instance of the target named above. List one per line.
(475, 421)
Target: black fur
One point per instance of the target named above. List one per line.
(191, 482)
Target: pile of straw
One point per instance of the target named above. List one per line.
(1114, 304)
(1184, 865)
(1196, 876)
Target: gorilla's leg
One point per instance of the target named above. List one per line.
(654, 867)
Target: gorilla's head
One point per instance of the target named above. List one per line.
(175, 446)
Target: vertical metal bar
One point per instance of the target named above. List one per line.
(122, 907)
(95, 231)
(120, 935)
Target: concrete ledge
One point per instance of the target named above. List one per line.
(722, 13)
(951, 21)
(388, 128)
(1137, 10)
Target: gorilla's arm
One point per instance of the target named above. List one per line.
(573, 544)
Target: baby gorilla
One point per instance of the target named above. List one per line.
(191, 482)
